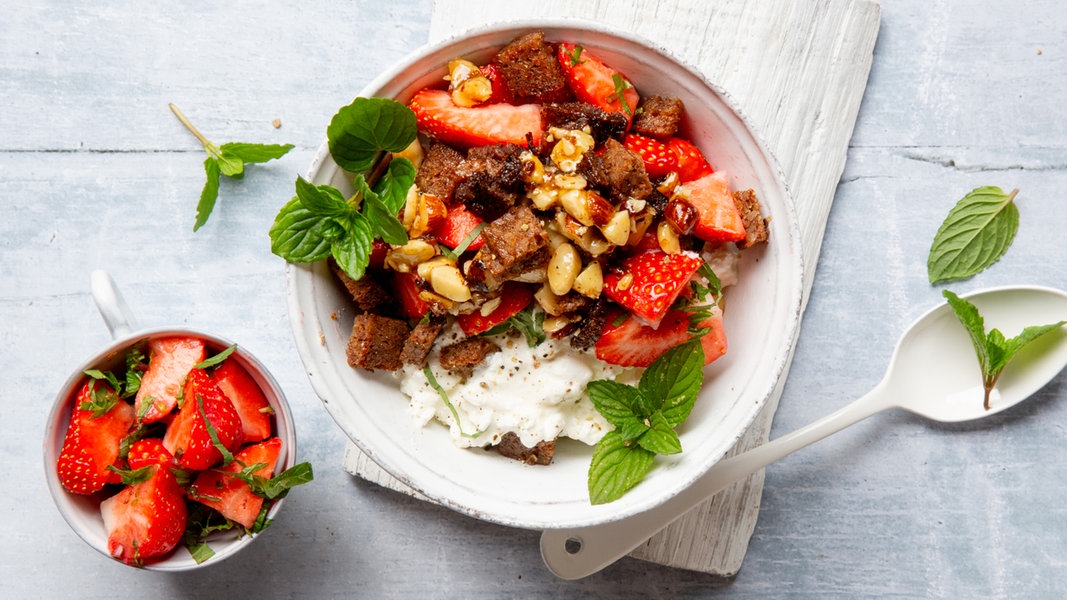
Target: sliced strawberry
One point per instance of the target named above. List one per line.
(188, 438)
(483, 125)
(406, 290)
(98, 423)
(247, 398)
(718, 219)
(146, 520)
(456, 226)
(691, 162)
(596, 83)
(627, 342)
(379, 250)
(150, 451)
(514, 297)
(500, 94)
(169, 360)
(648, 283)
(659, 158)
(232, 497)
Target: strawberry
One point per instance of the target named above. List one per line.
(188, 438)
(483, 125)
(648, 283)
(630, 343)
(659, 158)
(718, 219)
(231, 496)
(147, 519)
(150, 451)
(247, 398)
(514, 297)
(98, 423)
(406, 291)
(691, 162)
(500, 93)
(379, 250)
(456, 226)
(596, 83)
(169, 360)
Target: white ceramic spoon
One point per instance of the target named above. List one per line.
(934, 372)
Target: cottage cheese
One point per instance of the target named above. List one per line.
(537, 393)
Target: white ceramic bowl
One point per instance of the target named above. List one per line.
(761, 318)
(82, 513)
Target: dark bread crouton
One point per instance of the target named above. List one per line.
(625, 172)
(440, 171)
(494, 182)
(579, 115)
(541, 454)
(461, 357)
(531, 71)
(376, 342)
(366, 292)
(515, 244)
(420, 341)
(659, 116)
(755, 225)
(591, 326)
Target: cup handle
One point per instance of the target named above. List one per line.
(113, 308)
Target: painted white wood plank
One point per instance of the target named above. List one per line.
(797, 71)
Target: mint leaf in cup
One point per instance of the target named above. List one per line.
(974, 235)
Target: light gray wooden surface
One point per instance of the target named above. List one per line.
(96, 173)
(812, 57)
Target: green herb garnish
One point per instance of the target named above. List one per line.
(319, 221)
(529, 322)
(621, 85)
(444, 398)
(227, 159)
(993, 350)
(217, 359)
(644, 417)
(575, 56)
(974, 235)
(227, 456)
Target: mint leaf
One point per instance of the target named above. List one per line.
(352, 249)
(255, 153)
(323, 200)
(675, 379)
(384, 223)
(279, 485)
(230, 165)
(660, 437)
(216, 359)
(974, 235)
(360, 131)
(209, 194)
(616, 467)
(620, 405)
(393, 187)
(299, 235)
(993, 350)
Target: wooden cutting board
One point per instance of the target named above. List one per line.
(797, 70)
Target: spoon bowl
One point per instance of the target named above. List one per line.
(934, 373)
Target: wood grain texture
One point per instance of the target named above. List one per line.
(797, 71)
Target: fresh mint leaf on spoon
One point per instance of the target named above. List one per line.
(974, 235)
(227, 159)
(644, 417)
(993, 350)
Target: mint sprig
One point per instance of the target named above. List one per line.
(320, 222)
(645, 417)
(227, 159)
(993, 349)
(975, 234)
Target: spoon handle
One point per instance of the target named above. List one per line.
(595, 547)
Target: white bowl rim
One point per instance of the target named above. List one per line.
(324, 382)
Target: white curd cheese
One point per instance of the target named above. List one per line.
(537, 393)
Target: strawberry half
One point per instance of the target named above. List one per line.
(187, 437)
(456, 226)
(146, 520)
(150, 451)
(500, 93)
(718, 219)
(98, 423)
(596, 83)
(230, 496)
(659, 158)
(514, 297)
(169, 360)
(406, 291)
(691, 162)
(648, 283)
(630, 343)
(247, 398)
(483, 125)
